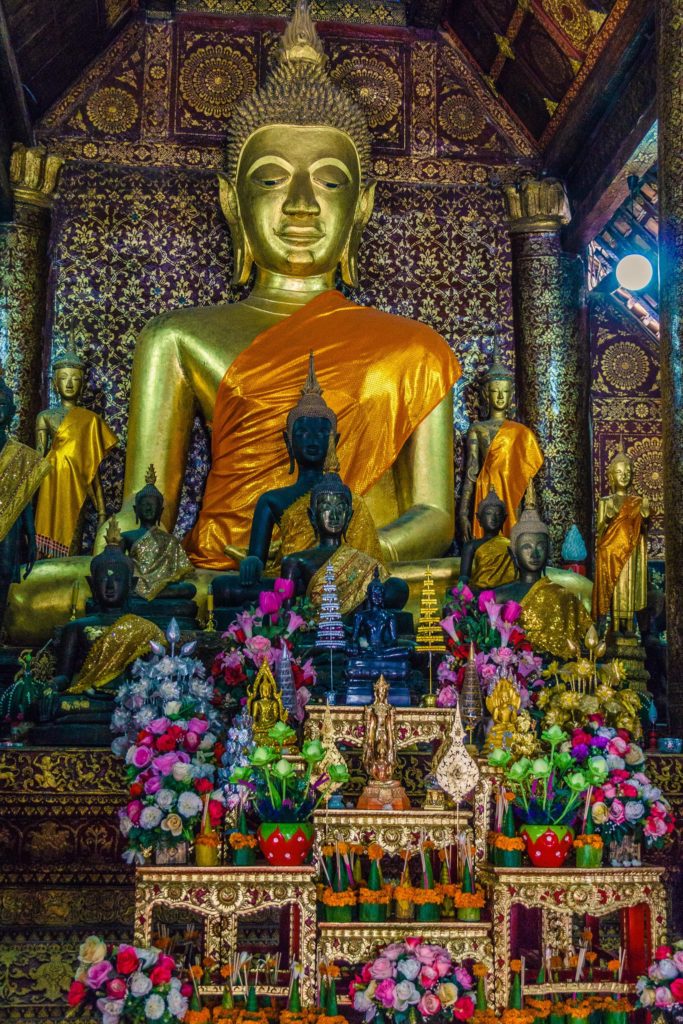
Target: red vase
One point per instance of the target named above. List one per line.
(285, 844)
(547, 845)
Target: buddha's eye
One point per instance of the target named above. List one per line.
(331, 178)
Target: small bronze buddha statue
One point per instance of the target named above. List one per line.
(21, 472)
(75, 440)
(330, 512)
(620, 585)
(486, 562)
(383, 792)
(500, 454)
(374, 650)
(161, 565)
(94, 652)
(551, 613)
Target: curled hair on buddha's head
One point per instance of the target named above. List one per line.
(298, 91)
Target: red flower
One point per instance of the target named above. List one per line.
(663, 952)
(136, 789)
(116, 988)
(677, 990)
(203, 786)
(598, 796)
(216, 813)
(218, 750)
(166, 743)
(186, 990)
(160, 974)
(127, 961)
(619, 775)
(463, 1008)
(175, 731)
(625, 735)
(240, 636)
(629, 790)
(76, 993)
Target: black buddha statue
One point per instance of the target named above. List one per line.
(374, 650)
(162, 591)
(21, 471)
(486, 562)
(94, 653)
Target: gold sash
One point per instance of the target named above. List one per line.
(21, 471)
(616, 546)
(115, 650)
(382, 375)
(513, 458)
(159, 560)
(492, 565)
(551, 615)
(79, 444)
(353, 572)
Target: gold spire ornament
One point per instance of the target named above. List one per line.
(331, 464)
(113, 535)
(429, 635)
(470, 701)
(311, 403)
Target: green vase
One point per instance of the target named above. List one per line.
(340, 915)
(589, 856)
(615, 1017)
(556, 1018)
(244, 857)
(507, 858)
(374, 912)
(469, 913)
(427, 912)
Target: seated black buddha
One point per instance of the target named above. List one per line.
(374, 650)
(93, 654)
(162, 591)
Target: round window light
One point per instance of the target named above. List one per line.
(634, 272)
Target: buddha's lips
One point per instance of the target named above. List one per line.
(300, 236)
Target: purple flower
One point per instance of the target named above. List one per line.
(159, 725)
(511, 611)
(198, 725)
(600, 742)
(580, 752)
(164, 762)
(447, 697)
(141, 757)
(98, 974)
(486, 597)
(153, 785)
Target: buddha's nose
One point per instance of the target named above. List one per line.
(301, 197)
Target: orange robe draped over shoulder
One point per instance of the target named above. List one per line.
(614, 548)
(513, 458)
(381, 374)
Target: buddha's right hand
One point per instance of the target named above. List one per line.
(465, 529)
(251, 570)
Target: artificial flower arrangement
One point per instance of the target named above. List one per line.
(413, 980)
(263, 632)
(127, 985)
(171, 769)
(501, 646)
(662, 988)
(284, 792)
(162, 685)
(625, 803)
(547, 791)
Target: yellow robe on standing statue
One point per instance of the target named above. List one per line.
(621, 561)
(381, 374)
(551, 615)
(78, 446)
(492, 566)
(512, 460)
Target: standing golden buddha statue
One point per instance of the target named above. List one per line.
(75, 441)
(379, 756)
(621, 558)
(501, 455)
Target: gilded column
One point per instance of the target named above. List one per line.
(670, 182)
(23, 276)
(552, 355)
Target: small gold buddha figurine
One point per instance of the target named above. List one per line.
(500, 454)
(75, 441)
(264, 704)
(503, 705)
(383, 792)
(333, 754)
(620, 584)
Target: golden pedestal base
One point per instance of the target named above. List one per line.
(384, 796)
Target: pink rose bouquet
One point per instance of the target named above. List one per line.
(413, 979)
(500, 644)
(126, 983)
(662, 988)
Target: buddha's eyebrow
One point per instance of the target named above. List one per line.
(272, 159)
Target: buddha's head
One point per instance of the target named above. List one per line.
(7, 406)
(491, 513)
(498, 384)
(375, 591)
(620, 472)
(530, 540)
(295, 192)
(149, 501)
(381, 690)
(111, 578)
(311, 426)
(68, 375)
(331, 507)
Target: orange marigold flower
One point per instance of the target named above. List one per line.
(375, 851)
(591, 957)
(343, 849)
(613, 965)
(240, 841)
(327, 850)
(480, 970)
(515, 966)
(338, 899)
(196, 972)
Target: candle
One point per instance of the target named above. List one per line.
(74, 597)
(209, 599)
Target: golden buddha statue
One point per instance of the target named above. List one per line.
(378, 756)
(264, 704)
(501, 454)
(297, 197)
(503, 704)
(75, 441)
(621, 558)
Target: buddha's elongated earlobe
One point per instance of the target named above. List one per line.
(230, 206)
(349, 258)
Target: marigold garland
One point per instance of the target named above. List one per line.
(338, 899)
(541, 1007)
(588, 840)
(202, 1016)
(423, 896)
(474, 900)
(374, 895)
(206, 839)
(516, 966)
(403, 893)
(501, 842)
(240, 841)
(375, 851)
(329, 971)
(327, 850)
(479, 970)
(512, 1016)
(450, 889)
